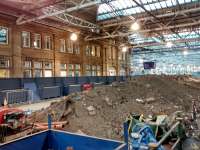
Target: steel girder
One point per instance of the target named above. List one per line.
(64, 16)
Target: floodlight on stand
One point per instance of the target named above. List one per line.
(169, 44)
(73, 37)
(135, 26)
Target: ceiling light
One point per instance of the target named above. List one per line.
(124, 49)
(169, 44)
(141, 60)
(185, 52)
(34, 43)
(73, 37)
(135, 26)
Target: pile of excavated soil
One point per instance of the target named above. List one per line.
(102, 111)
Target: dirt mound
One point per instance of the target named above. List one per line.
(102, 111)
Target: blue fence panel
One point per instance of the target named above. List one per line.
(67, 82)
(32, 87)
(10, 84)
(111, 79)
(102, 79)
(43, 88)
(58, 81)
(47, 88)
(16, 96)
(74, 88)
(122, 78)
(50, 92)
(93, 79)
(82, 80)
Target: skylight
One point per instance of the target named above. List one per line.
(129, 7)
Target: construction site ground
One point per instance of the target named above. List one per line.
(101, 111)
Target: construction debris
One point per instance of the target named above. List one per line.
(91, 110)
(102, 111)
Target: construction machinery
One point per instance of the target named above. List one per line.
(12, 122)
(157, 133)
(12, 118)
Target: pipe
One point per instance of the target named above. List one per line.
(167, 134)
(175, 144)
(53, 123)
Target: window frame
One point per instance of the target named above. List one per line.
(88, 50)
(98, 51)
(7, 35)
(93, 51)
(35, 40)
(94, 70)
(77, 69)
(28, 68)
(7, 63)
(70, 47)
(70, 69)
(61, 46)
(47, 38)
(88, 70)
(63, 68)
(99, 72)
(76, 48)
(29, 37)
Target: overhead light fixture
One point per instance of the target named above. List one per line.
(169, 44)
(34, 43)
(185, 52)
(141, 60)
(135, 26)
(124, 49)
(73, 37)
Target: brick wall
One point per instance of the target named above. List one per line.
(17, 54)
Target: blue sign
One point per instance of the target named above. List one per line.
(3, 35)
(149, 65)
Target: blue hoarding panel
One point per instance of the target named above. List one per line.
(36, 142)
(62, 141)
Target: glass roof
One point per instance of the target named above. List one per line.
(190, 40)
(116, 8)
(167, 62)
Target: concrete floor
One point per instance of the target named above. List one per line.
(38, 105)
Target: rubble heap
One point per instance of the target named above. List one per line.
(102, 111)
